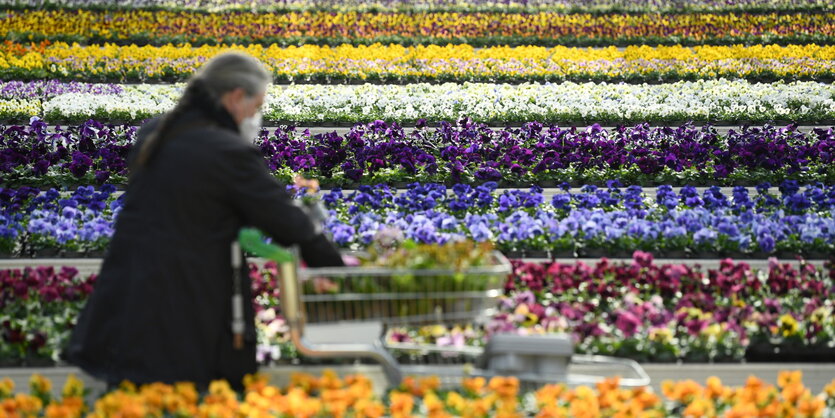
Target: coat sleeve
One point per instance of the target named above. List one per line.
(263, 203)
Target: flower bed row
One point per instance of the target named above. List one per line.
(329, 395)
(48, 222)
(450, 63)
(419, 27)
(653, 312)
(591, 222)
(661, 313)
(704, 100)
(463, 152)
(639, 310)
(507, 6)
(521, 221)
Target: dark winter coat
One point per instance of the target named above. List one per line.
(161, 307)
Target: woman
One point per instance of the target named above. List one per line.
(161, 308)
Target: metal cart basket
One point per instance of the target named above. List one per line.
(343, 313)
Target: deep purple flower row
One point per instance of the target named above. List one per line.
(463, 151)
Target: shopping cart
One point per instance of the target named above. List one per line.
(344, 312)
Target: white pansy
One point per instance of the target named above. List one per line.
(704, 99)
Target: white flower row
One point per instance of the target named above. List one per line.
(699, 100)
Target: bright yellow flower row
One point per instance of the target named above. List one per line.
(399, 53)
(444, 25)
(330, 395)
(127, 63)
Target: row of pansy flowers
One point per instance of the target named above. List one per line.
(398, 63)
(418, 27)
(95, 152)
(331, 395)
(639, 310)
(423, 5)
(652, 312)
(703, 100)
(586, 221)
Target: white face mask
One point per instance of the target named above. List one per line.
(250, 127)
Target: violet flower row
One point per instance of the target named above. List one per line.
(459, 152)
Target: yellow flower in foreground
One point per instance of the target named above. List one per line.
(73, 387)
(829, 389)
(40, 384)
(303, 381)
(354, 399)
(6, 388)
(456, 402)
(330, 380)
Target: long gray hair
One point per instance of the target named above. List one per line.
(223, 73)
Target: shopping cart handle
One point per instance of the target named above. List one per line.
(252, 241)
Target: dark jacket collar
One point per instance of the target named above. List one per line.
(219, 117)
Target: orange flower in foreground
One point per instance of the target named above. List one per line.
(829, 389)
(608, 384)
(786, 378)
(410, 384)
(358, 380)
(681, 391)
(583, 402)
(255, 382)
(792, 392)
(61, 411)
(552, 411)
(401, 404)
(300, 404)
(26, 404)
(330, 380)
(480, 407)
(120, 403)
(303, 381)
(700, 407)
(366, 408)
(430, 384)
(714, 388)
(474, 384)
(434, 406)
(645, 399)
(505, 387)
(742, 410)
(549, 394)
(810, 406)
